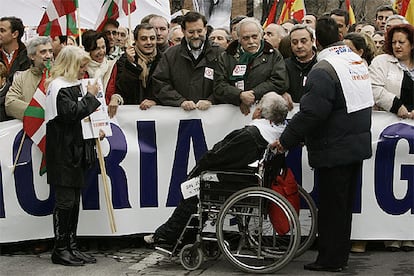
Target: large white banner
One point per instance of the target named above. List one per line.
(150, 154)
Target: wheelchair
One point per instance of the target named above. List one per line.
(232, 219)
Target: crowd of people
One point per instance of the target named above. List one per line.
(187, 64)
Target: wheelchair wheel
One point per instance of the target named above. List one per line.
(191, 257)
(246, 236)
(308, 215)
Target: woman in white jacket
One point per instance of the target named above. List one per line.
(392, 77)
(392, 74)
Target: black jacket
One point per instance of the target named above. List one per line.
(297, 72)
(332, 136)
(178, 77)
(235, 152)
(267, 72)
(128, 84)
(66, 150)
(21, 63)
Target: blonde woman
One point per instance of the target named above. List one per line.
(67, 154)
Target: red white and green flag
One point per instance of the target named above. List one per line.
(59, 18)
(110, 10)
(34, 124)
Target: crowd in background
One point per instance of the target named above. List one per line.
(187, 64)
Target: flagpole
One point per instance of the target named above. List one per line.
(129, 25)
(106, 186)
(18, 152)
(79, 27)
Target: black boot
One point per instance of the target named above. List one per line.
(73, 246)
(61, 253)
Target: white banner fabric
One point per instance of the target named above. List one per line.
(149, 155)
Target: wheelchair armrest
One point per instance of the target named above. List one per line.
(242, 176)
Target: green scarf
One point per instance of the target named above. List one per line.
(245, 59)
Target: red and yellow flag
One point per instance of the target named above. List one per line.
(292, 9)
(406, 9)
(350, 11)
(272, 14)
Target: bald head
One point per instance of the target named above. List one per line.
(273, 33)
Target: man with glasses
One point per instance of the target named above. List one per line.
(381, 15)
(111, 32)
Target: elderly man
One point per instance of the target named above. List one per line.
(220, 37)
(185, 74)
(161, 26)
(175, 35)
(236, 151)
(24, 85)
(249, 68)
(304, 57)
(137, 66)
(310, 20)
(273, 34)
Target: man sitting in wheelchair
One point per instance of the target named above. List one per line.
(236, 151)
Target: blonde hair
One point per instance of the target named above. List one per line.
(68, 63)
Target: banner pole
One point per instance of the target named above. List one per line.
(19, 151)
(106, 186)
(79, 27)
(129, 25)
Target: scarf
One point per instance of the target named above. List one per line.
(51, 96)
(245, 58)
(101, 71)
(353, 76)
(143, 61)
(269, 131)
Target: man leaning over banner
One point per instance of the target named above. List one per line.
(249, 68)
(25, 83)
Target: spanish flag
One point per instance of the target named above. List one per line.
(272, 14)
(406, 9)
(350, 11)
(292, 9)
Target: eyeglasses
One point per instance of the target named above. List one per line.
(114, 33)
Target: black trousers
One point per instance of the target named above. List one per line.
(67, 197)
(337, 187)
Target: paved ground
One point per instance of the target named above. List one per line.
(130, 258)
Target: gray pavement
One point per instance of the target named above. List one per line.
(140, 260)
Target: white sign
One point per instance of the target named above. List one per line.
(99, 119)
